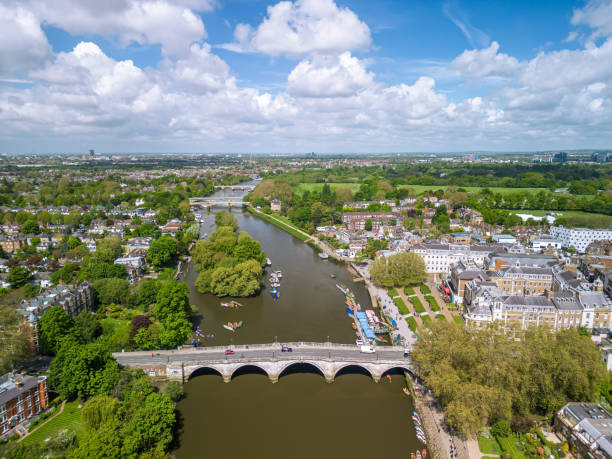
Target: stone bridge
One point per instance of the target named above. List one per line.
(328, 359)
(235, 187)
(220, 202)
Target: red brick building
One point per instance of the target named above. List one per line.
(21, 397)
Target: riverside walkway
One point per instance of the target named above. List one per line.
(327, 358)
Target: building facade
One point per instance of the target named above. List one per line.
(21, 397)
(579, 238)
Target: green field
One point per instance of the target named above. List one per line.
(509, 445)
(458, 320)
(319, 186)
(471, 189)
(411, 323)
(70, 419)
(488, 445)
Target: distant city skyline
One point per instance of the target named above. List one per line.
(307, 75)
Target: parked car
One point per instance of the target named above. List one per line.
(286, 349)
(367, 349)
(229, 352)
(406, 352)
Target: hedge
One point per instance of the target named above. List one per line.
(425, 289)
(401, 306)
(433, 304)
(411, 323)
(418, 306)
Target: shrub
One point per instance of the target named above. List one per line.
(425, 289)
(418, 306)
(174, 391)
(501, 429)
(521, 424)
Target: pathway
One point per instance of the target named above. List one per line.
(443, 309)
(410, 306)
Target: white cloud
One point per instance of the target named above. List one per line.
(23, 45)
(200, 70)
(474, 36)
(303, 27)
(597, 15)
(172, 25)
(329, 76)
(487, 62)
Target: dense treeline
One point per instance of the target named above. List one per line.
(230, 263)
(481, 377)
(583, 178)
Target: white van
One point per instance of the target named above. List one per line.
(368, 349)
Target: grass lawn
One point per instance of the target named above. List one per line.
(70, 419)
(471, 189)
(441, 317)
(282, 225)
(488, 446)
(425, 290)
(458, 319)
(409, 291)
(403, 309)
(411, 323)
(319, 186)
(418, 306)
(393, 293)
(509, 445)
(426, 320)
(433, 304)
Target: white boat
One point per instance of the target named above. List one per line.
(275, 284)
(268, 262)
(227, 327)
(323, 256)
(278, 273)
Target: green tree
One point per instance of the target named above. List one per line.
(83, 370)
(30, 227)
(174, 391)
(172, 298)
(162, 251)
(87, 327)
(368, 224)
(14, 339)
(398, 270)
(111, 290)
(147, 292)
(66, 274)
(18, 276)
(55, 324)
(176, 330)
(112, 243)
(225, 218)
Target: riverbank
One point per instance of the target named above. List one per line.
(301, 235)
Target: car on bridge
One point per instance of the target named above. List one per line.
(367, 349)
(286, 349)
(229, 352)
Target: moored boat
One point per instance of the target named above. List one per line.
(227, 305)
(235, 303)
(418, 455)
(227, 327)
(406, 391)
(424, 453)
(239, 324)
(268, 262)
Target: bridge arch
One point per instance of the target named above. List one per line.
(205, 370)
(241, 369)
(350, 368)
(294, 367)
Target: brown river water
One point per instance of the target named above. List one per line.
(301, 416)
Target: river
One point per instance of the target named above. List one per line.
(300, 416)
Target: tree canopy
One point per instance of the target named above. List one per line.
(483, 376)
(398, 270)
(230, 264)
(162, 251)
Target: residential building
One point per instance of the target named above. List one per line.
(495, 260)
(12, 243)
(172, 227)
(587, 427)
(356, 221)
(72, 298)
(546, 243)
(137, 243)
(579, 238)
(439, 257)
(507, 239)
(21, 397)
(132, 262)
(275, 205)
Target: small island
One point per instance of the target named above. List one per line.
(230, 262)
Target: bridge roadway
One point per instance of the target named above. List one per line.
(211, 202)
(235, 187)
(327, 358)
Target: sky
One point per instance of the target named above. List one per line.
(325, 76)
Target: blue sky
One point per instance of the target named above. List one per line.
(304, 75)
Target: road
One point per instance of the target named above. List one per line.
(254, 353)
